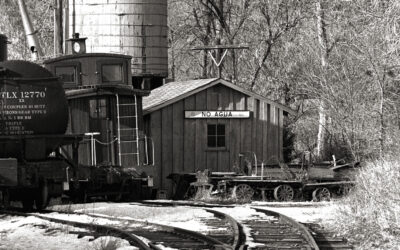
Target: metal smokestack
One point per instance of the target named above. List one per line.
(31, 36)
(3, 48)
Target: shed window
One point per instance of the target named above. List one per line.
(67, 74)
(216, 136)
(98, 108)
(112, 73)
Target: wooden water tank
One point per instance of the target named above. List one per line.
(133, 27)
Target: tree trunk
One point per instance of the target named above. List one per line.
(322, 122)
(382, 123)
(173, 67)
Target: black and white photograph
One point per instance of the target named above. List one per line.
(199, 124)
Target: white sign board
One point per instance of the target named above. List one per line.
(217, 114)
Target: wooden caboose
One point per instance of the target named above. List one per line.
(104, 105)
(206, 124)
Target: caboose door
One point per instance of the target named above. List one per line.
(100, 122)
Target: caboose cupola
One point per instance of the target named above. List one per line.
(92, 69)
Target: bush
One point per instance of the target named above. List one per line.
(370, 214)
(107, 243)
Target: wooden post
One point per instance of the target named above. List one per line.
(58, 30)
(220, 56)
(65, 26)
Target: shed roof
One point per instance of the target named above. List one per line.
(176, 91)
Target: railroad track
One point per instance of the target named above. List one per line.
(271, 230)
(223, 233)
(265, 229)
(282, 232)
(92, 229)
(156, 235)
(326, 239)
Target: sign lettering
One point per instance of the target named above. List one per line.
(217, 114)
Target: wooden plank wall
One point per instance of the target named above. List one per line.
(79, 119)
(177, 137)
(156, 135)
(280, 147)
(181, 144)
(189, 141)
(211, 104)
(224, 104)
(167, 142)
(201, 138)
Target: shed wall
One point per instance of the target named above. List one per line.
(181, 143)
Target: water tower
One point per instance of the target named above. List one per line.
(133, 27)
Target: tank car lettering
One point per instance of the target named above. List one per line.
(14, 123)
(33, 94)
(8, 95)
(34, 112)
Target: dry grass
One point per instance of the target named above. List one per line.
(207, 195)
(370, 214)
(106, 243)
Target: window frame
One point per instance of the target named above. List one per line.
(76, 65)
(216, 148)
(124, 65)
(98, 108)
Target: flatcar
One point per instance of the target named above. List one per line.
(273, 180)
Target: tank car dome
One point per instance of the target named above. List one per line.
(33, 100)
(18, 68)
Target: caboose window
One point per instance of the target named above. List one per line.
(112, 73)
(216, 136)
(67, 74)
(98, 108)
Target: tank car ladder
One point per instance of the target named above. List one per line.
(134, 140)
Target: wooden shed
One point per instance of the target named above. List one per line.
(205, 124)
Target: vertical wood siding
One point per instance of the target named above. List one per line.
(181, 144)
(189, 140)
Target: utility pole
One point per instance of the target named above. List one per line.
(65, 25)
(224, 48)
(58, 27)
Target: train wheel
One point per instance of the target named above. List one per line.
(244, 192)
(321, 194)
(283, 193)
(27, 203)
(42, 196)
(5, 195)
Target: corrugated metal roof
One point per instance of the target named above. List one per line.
(172, 90)
(175, 91)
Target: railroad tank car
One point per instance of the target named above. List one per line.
(30, 98)
(33, 120)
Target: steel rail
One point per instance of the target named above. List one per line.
(175, 230)
(239, 237)
(103, 229)
(303, 229)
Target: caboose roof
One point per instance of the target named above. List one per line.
(176, 91)
(104, 90)
(74, 56)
